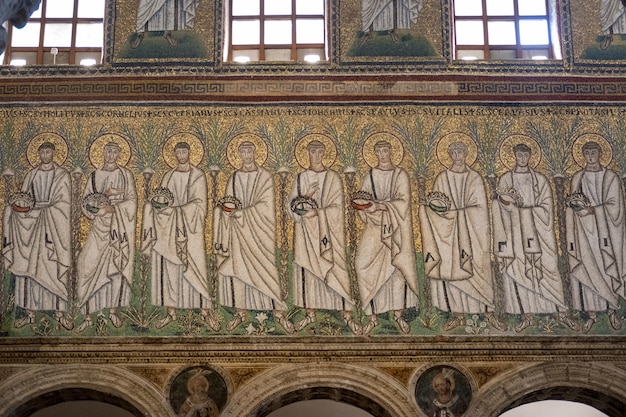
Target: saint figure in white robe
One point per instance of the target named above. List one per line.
(36, 242)
(388, 15)
(385, 258)
(245, 242)
(612, 19)
(105, 263)
(596, 240)
(173, 236)
(166, 16)
(457, 244)
(525, 243)
(320, 275)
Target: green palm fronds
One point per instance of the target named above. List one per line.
(281, 144)
(13, 143)
(554, 140)
(616, 136)
(488, 138)
(215, 139)
(147, 141)
(79, 141)
(421, 144)
(349, 143)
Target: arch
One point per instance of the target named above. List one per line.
(284, 385)
(584, 382)
(35, 387)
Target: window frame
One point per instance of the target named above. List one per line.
(552, 21)
(262, 47)
(40, 50)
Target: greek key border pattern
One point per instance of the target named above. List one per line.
(293, 88)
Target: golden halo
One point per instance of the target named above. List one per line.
(196, 149)
(397, 149)
(232, 151)
(445, 141)
(577, 149)
(60, 148)
(302, 155)
(507, 156)
(96, 150)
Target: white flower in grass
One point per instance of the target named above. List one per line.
(469, 329)
(251, 329)
(261, 317)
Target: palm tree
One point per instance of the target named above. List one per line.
(488, 140)
(349, 144)
(281, 143)
(615, 134)
(421, 144)
(215, 139)
(553, 141)
(79, 141)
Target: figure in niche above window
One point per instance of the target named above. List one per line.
(388, 15)
(612, 19)
(166, 16)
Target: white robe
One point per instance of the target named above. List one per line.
(321, 277)
(105, 263)
(379, 14)
(156, 15)
(525, 246)
(596, 243)
(174, 237)
(612, 16)
(385, 257)
(457, 243)
(245, 244)
(36, 245)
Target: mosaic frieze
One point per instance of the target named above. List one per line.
(313, 220)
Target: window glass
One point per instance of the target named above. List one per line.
(57, 34)
(468, 7)
(277, 7)
(90, 8)
(500, 8)
(246, 32)
(501, 33)
(310, 31)
(27, 36)
(59, 8)
(278, 32)
(534, 32)
(310, 7)
(246, 7)
(532, 7)
(469, 32)
(89, 35)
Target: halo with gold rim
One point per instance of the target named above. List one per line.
(302, 155)
(232, 151)
(397, 148)
(196, 149)
(507, 157)
(96, 150)
(577, 149)
(60, 148)
(445, 141)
